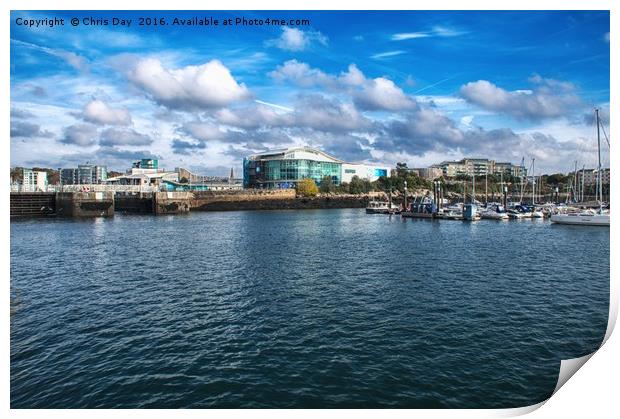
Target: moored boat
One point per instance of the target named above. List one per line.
(590, 217)
(494, 212)
(381, 207)
(426, 208)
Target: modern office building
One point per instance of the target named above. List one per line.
(84, 174)
(68, 176)
(33, 181)
(282, 169)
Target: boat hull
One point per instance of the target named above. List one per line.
(494, 216)
(601, 220)
(409, 214)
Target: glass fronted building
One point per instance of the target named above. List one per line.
(282, 169)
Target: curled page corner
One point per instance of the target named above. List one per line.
(568, 368)
(518, 411)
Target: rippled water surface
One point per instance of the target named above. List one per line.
(325, 308)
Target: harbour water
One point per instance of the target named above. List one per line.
(314, 308)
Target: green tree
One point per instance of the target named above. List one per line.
(307, 188)
(327, 185)
(356, 186)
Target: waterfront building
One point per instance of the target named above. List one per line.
(590, 176)
(33, 180)
(68, 176)
(428, 173)
(146, 164)
(189, 181)
(282, 169)
(91, 174)
(84, 174)
(478, 167)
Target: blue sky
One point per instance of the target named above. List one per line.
(418, 86)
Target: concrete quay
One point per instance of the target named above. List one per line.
(105, 204)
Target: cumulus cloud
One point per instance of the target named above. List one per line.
(23, 129)
(352, 77)
(589, 118)
(421, 131)
(203, 131)
(368, 94)
(347, 147)
(320, 113)
(383, 94)
(195, 87)
(548, 99)
(187, 147)
(124, 137)
(80, 134)
(253, 117)
(21, 114)
(301, 74)
(99, 112)
(293, 39)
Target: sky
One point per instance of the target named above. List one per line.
(418, 87)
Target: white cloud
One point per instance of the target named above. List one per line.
(467, 120)
(440, 31)
(203, 131)
(550, 98)
(99, 112)
(74, 60)
(293, 39)
(123, 137)
(369, 94)
(301, 74)
(322, 114)
(387, 54)
(383, 94)
(80, 134)
(352, 77)
(253, 117)
(409, 35)
(209, 85)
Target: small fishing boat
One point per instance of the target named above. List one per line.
(381, 207)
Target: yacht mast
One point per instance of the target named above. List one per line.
(473, 187)
(599, 180)
(533, 182)
(486, 188)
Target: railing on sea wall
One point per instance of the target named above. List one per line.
(86, 188)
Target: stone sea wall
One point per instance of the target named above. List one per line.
(271, 200)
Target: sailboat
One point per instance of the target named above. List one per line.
(534, 214)
(589, 217)
(470, 211)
